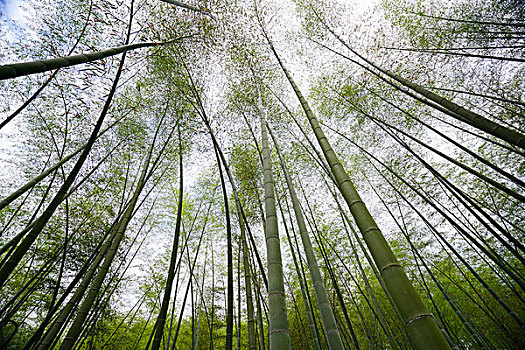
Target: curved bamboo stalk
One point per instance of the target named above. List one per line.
(463, 54)
(14, 260)
(186, 6)
(229, 258)
(31, 183)
(508, 24)
(50, 79)
(15, 70)
(462, 114)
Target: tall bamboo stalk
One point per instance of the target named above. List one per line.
(79, 320)
(467, 116)
(41, 222)
(243, 223)
(229, 258)
(302, 282)
(327, 316)
(439, 235)
(161, 318)
(421, 326)
(278, 327)
(15, 70)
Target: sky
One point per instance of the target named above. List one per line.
(11, 9)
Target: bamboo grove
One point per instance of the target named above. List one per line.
(262, 174)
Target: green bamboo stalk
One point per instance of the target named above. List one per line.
(382, 124)
(278, 328)
(24, 188)
(249, 296)
(494, 23)
(78, 322)
(317, 157)
(260, 323)
(52, 76)
(161, 318)
(421, 326)
(379, 313)
(114, 286)
(239, 320)
(15, 70)
(327, 316)
(229, 258)
(41, 222)
(186, 6)
(311, 321)
(460, 195)
(467, 116)
(436, 106)
(439, 235)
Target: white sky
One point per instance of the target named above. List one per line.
(12, 9)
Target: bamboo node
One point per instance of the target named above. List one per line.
(279, 331)
(355, 201)
(370, 229)
(276, 292)
(387, 266)
(417, 317)
(343, 182)
(272, 236)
